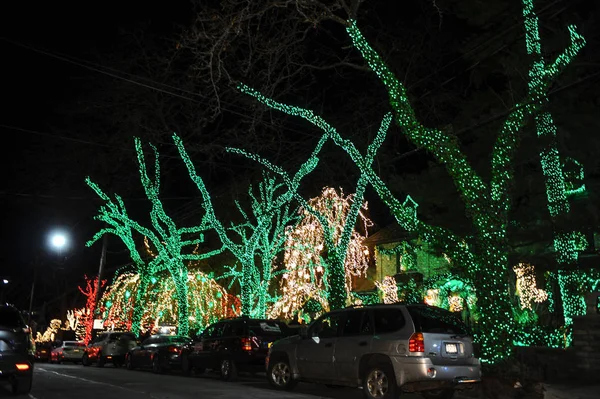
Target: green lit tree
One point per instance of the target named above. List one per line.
(337, 232)
(256, 241)
(114, 214)
(169, 241)
(558, 189)
(484, 254)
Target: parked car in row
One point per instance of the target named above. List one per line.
(109, 347)
(67, 351)
(43, 351)
(17, 350)
(384, 349)
(232, 345)
(158, 352)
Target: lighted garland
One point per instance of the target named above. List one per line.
(90, 292)
(307, 273)
(527, 286)
(406, 251)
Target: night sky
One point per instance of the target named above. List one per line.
(41, 189)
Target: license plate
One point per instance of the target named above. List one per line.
(75, 350)
(452, 349)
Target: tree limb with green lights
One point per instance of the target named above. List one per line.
(169, 241)
(260, 235)
(336, 248)
(565, 246)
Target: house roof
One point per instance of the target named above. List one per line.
(388, 234)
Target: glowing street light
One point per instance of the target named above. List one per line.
(58, 240)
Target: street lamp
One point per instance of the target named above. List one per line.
(57, 240)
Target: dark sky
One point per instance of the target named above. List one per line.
(32, 85)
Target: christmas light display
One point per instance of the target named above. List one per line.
(208, 302)
(527, 286)
(389, 290)
(261, 235)
(556, 188)
(90, 292)
(169, 241)
(306, 271)
(50, 333)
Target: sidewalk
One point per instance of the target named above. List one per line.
(561, 391)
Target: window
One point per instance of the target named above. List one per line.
(264, 328)
(429, 319)
(10, 317)
(208, 332)
(357, 323)
(217, 331)
(327, 326)
(388, 320)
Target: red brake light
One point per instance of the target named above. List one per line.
(416, 343)
(174, 349)
(246, 344)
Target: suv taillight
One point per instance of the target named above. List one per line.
(246, 344)
(416, 343)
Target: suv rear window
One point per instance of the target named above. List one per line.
(429, 319)
(11, 318)
(388, 320)
(262, 328)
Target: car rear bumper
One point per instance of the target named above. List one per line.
(420, 374)
(8, 366)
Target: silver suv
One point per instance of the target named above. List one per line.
(384, 349)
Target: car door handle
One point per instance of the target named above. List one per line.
(363, 343)
(328, 345)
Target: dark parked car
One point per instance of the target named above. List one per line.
(42, 351)
(232, 345)
(108, 347)
(158, 352)
(16, 350)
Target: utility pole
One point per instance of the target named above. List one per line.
(100, 270)
(35, 267)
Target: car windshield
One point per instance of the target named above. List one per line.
(72, 344)
(10, 318)
(429, 319)
(261, 328)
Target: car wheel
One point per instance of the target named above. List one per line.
(21, 385)
(280, 376)
(156, 366)
(101, 360)
(129, 362)
(379, 382)
(438, 394)
(85, 360)
(228, 370)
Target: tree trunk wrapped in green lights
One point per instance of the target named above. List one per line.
(484, 255)
(336, 249)
(260, 236)
(556, 187)
(168, 240)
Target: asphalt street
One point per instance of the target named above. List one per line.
(66, 381)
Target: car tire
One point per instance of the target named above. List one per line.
(279, 375)
(101, 361)
(21, 385)
(85, 360)
(156, 366)
(438, 394)
(129, 362)
(228, 369)
(379, 382)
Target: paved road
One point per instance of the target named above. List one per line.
(67, 381)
